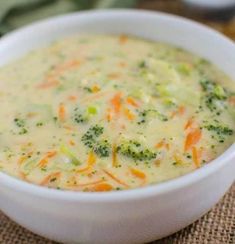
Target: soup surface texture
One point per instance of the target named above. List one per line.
(101, 113)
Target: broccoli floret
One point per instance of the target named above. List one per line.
(135, 150)
(219, 129)
(79, 117)
(214, 93)
(219, 132)
(90, 139)
(102, 148)
(142, 64)
(19, 122)
(148, 113)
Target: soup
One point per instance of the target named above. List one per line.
(102, 113)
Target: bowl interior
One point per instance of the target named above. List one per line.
(161, 27)
(150, 25)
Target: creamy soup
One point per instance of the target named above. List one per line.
(101, 113)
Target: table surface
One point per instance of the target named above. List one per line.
(217, 226)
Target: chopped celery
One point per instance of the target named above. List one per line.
(68, 153)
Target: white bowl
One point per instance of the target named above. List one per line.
(132, 216)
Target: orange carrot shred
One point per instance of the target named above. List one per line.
(95, 89)
(130, 116)
(71, 142)
(132, 102)
(48, 84)
(180, 111)
(72, 98)
(189, 123)
(116, 102)
(195, 155)
(109, 115)
(138, 173)
(231, 100)
(102, 187)
(114, 75)
(162, 144)
(122, 64)
(21, 160)
(48, 178)
(90, 183)
(62, 112)
(51, 154)
(90, 162)
(115, 178)
(192, 138)
(123, 39)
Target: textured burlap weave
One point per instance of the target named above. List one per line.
(216, 227)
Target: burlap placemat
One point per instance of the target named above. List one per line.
(216, 227)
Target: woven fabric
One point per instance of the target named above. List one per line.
(216, 227)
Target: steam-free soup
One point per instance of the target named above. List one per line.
(101, 113)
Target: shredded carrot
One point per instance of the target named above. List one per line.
(44, 161)
(48, 84)
(114, 156)
(116, 102)
(95, 96)
(114, 75)
(138, 173)
(67, 127)
(72, 182)
(65, 66)
(72, 98)
(157, 162)
(90, 183)
(102, 187)
(109, 115)
(71, 142)
(130, 116)
(180, 111)
(51, 154)
(192, 138)
(62, 112)
(195, 155)
(123, 39)
(95, 88)
(115, 178)
(23, 176)
(162, 144)
(91, 160)
(189, 123)
(132, 102)
(48, 178)
(231, 100)
(122, 64)
(21, 160)
(178, 159)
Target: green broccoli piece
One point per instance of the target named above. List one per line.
(133, 149)
(79, 117)
(90, 139)
(220, 129)
(148, 113)
(213, 93)
(102, 148)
